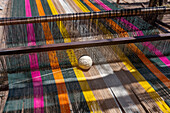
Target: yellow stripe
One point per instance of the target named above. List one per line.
(88, 94)
(148, 88)
(163, 106)
(81, 6)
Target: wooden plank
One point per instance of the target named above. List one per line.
(130, 83)
(87, 15)
(73, 45)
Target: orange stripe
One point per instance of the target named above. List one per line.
(115, 27)
(144, 59)
(61, 88)
(91, 5)
(150, 65)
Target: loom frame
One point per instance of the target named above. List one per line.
(85, 15)
(74, 45)
(82, 16)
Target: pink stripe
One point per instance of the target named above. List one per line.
(151, 47)
(36, 76)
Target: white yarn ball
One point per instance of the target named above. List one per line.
(85, 62)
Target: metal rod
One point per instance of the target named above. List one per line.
(87, 15)
(73, 45)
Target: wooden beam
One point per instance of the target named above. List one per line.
(118, 1)
(163, 24)
(143, 5)
(73, 45)
(161, 28)
(85, 15)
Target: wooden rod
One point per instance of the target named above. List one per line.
(161, 28)
(163, 24)
(117, 1)
(85, 15)
(73, 45)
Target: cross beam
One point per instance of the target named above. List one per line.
(85, 15)
(73, 45)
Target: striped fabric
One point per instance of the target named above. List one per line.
(124, 78)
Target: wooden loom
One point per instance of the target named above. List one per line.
(92, 15)
(84, 16)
